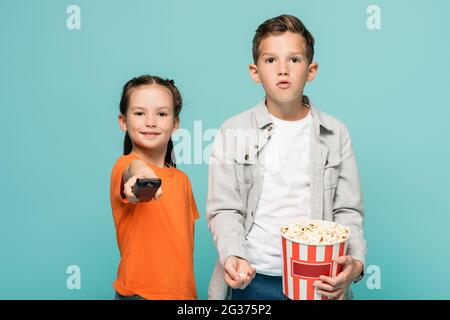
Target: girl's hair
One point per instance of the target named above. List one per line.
(177, 101)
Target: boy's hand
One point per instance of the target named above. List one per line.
(335, 288)
(238, 272)
(141, 174)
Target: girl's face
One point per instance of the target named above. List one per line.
(150, 119)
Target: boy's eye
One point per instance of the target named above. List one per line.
(295, 60)
(270, 60)
(138, 113)
(162, 114)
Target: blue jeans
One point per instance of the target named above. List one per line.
(118, 296)
(262, 287)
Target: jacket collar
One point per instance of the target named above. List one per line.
(263, 117)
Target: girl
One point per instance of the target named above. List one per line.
(155, 238)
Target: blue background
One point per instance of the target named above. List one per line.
(59, 95)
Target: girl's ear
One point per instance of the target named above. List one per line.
(122, 123)
(176, 124)
(312, 71)
(253, 70)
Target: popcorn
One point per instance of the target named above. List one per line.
(315, 233)
(309, 250)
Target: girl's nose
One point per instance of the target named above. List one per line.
(150, 121)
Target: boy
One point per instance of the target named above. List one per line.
(280, 161)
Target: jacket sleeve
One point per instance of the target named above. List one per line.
(348, 206)
(224, 205)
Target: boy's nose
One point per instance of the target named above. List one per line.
(282, 71)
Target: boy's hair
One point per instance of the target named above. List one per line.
(279, 25)
(177, 105)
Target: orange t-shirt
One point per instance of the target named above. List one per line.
(156, 238)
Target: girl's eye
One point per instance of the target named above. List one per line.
(295, 60)
(138, 113)
(162, 114)
(270, 60)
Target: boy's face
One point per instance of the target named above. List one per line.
(282, 67)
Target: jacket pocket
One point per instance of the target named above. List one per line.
(331, 171)
(244, 173)
(245, 165)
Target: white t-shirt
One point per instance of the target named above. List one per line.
(285, 192)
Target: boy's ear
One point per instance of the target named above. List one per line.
(253, 70)
(312, 71)
(122, 123)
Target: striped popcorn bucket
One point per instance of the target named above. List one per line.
(305, 263)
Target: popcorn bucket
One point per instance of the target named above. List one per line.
(304, 263)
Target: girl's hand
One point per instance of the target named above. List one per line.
(238, 273)
(336, 287)
(141, 174)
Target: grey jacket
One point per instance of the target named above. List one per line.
(236, 171)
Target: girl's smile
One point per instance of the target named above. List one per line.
(151, 134)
